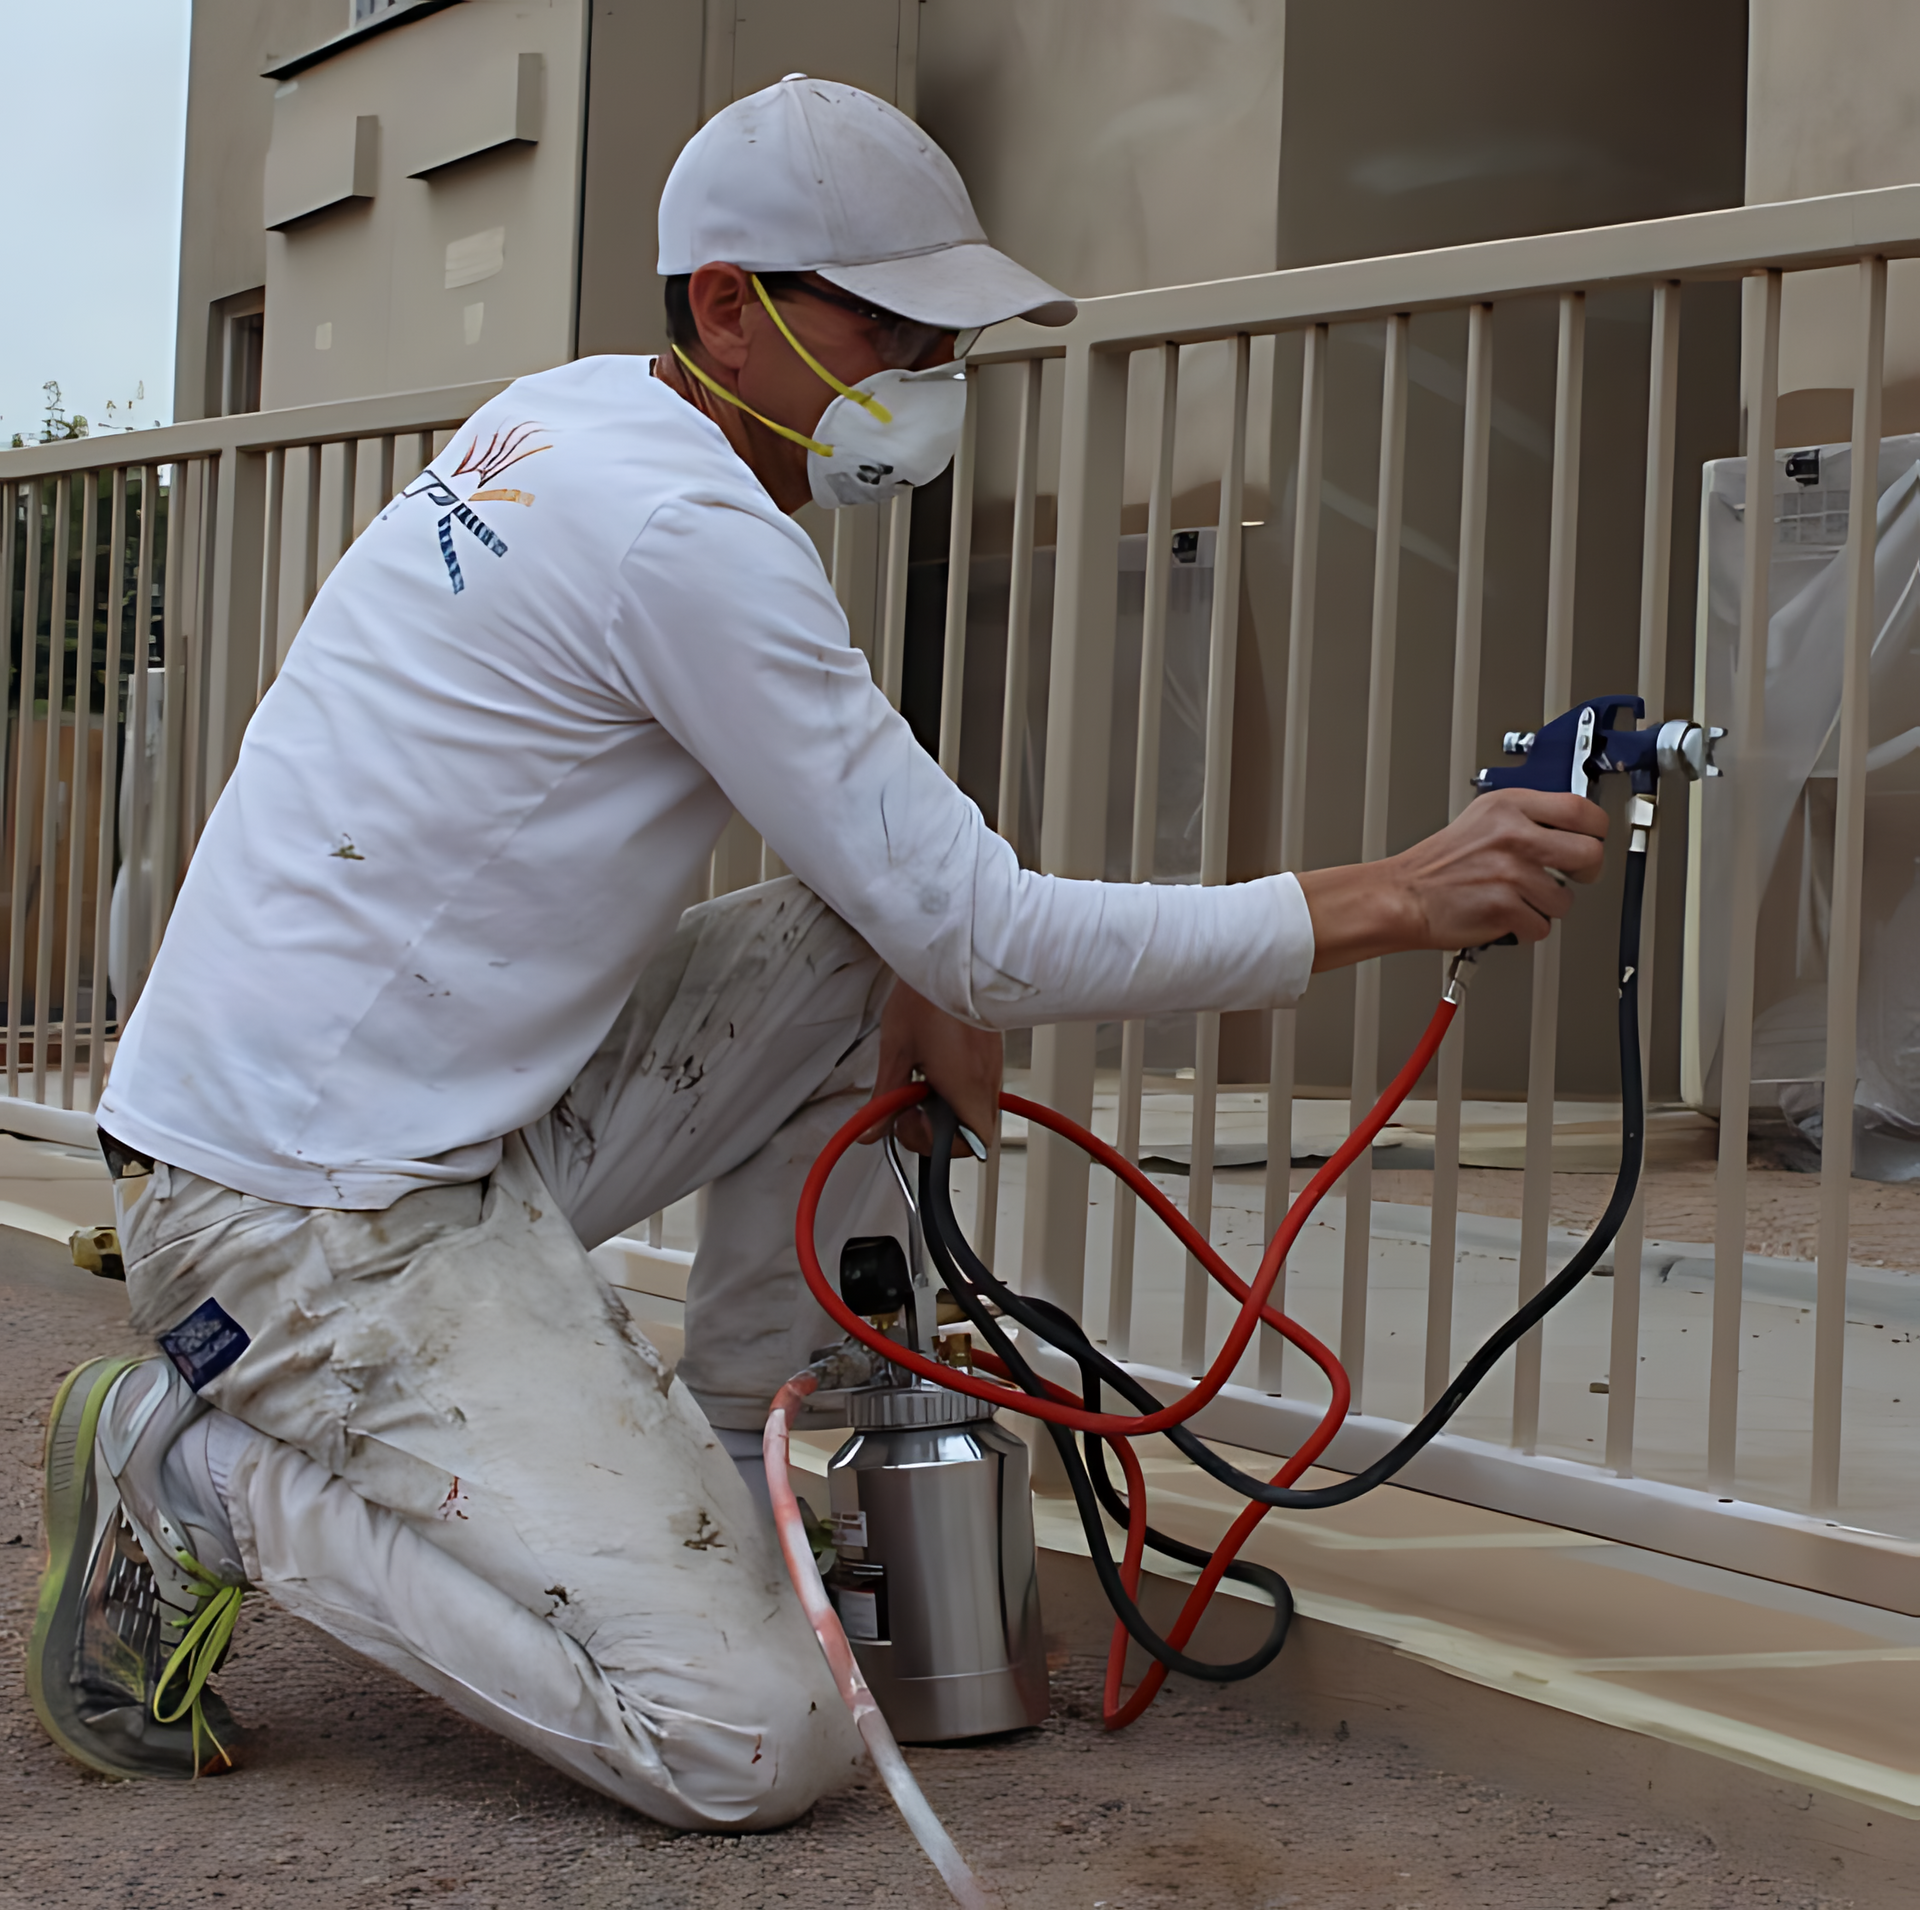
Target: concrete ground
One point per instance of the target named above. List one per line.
(361, 1792)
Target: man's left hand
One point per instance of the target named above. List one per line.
(960, 1062)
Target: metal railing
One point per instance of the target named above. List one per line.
(154, 582)
(1118, 409)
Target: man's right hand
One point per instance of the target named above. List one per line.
(1495, 870)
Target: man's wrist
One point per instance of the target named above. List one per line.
(1360, 910)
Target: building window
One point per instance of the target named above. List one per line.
(236, 344)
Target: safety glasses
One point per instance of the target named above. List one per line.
(902, 344)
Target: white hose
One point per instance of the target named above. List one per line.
(967, 1889)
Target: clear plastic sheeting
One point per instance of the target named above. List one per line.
(1797, 757)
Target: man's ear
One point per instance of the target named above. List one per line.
(720, 296)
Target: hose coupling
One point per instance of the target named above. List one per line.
(1460, 972)
(1640, 814)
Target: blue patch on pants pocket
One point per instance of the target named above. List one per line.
(205, 1343)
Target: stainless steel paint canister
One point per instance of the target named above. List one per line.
(935, 1577)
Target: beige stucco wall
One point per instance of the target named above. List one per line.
(223, 245)
(359, 298)
(1834, 106)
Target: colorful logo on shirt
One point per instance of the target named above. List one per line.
(503, 450)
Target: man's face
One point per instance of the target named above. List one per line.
(851, 338)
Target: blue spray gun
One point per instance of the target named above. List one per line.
(1590, 741)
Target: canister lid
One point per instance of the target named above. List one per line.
(921, 1403)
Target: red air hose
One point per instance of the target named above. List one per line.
(1119, 1428)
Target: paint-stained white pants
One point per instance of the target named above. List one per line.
(476, 1470)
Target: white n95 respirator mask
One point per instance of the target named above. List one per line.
(885, 435)
(888, 434)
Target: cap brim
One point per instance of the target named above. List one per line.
(958, 288)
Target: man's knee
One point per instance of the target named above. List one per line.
(794, 1744)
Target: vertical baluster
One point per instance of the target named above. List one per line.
(1215, 813)
(953, 655)
(23, 785)
(1293, 800)
(1013, 715)
(893, 615)
(1013, 709)
(1762, 376)
(112, 703)
(13, 502)
(1476, 442)
(78, 791)
(140, 844)
(349, 486)
(169, 777)
(200, 667)
(953, 694)
(1656, 565)
(310, 547)
(1843, 938)
(1146, 826)
(384, 483)
(270, 572)
(46, 887)
(1536, 1198)
(1073, 815)
(1373, 838)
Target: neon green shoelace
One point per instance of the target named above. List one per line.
(197, 1653)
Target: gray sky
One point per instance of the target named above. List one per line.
(90, 230)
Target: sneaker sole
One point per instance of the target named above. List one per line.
(70, 1504)
(70, 1507)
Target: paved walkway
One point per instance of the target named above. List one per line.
(361, 1793)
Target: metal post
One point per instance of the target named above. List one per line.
(77, 782)
(310, 544)
(47, 887)
(1146, 823)
(111, 704)
(176, 637)
(1216, 806)
(23, 785)
(1013, 708)
(1476, 439)
(1293, 797)
(349, 486)
(1761, 366)
(953, 653)
(270, 572)
(1373, 837)
(1536, 1197)
(1656, 565)
(1843, 938)
(893, 617)
(232, 623)
(1073, 815)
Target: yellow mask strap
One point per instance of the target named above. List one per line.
(865, 399)
(739, 404)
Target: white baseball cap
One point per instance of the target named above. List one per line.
(813, 176)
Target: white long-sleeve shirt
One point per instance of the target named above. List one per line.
(492, 772)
